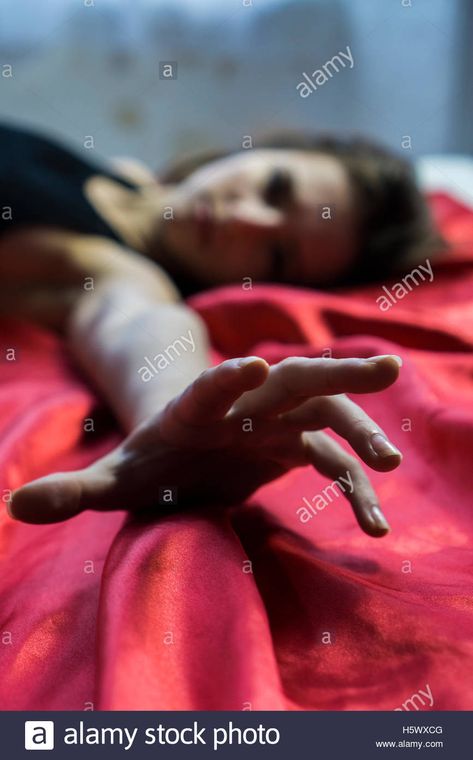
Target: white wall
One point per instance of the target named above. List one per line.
(83, 69)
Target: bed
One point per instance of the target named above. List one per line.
(249, 608)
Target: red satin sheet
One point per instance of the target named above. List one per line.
(110, 612)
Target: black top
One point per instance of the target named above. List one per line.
(42, 183)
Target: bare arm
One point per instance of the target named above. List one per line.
(115, 308)
(138, 350)
(197, 443)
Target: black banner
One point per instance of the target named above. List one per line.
(222, 735)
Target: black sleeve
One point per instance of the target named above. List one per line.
(42, 183)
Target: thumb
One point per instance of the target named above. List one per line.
(63, 495)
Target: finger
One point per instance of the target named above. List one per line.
(293, 380)
(328, 458)
(349, 421)
(58, 497)
(210, 397)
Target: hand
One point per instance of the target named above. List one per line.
(237, 426)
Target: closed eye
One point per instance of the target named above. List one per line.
(279, 188)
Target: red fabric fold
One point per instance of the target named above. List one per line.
(250, 608)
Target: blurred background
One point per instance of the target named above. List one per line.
(90, 68)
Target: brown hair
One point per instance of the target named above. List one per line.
(396, 229)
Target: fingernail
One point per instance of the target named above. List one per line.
(247, 360)
(383, 447)
(379, 519)
(385, 356)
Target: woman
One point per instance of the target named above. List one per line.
(105, 257)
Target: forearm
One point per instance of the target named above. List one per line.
(139, 351)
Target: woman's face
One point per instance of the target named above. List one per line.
(271, 215)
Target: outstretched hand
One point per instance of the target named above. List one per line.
(238, 426)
